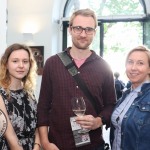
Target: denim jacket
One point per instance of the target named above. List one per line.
(135, 128)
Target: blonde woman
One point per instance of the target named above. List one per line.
(17, 100)
(131, 117)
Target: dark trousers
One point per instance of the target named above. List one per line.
(100, 147)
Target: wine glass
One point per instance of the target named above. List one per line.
(79, 108)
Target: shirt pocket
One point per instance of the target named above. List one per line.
(142, 115)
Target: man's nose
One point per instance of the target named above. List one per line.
(83, 33)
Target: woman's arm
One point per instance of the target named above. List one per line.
(10, 134)
(37, 143)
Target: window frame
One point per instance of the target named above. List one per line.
(144, 18)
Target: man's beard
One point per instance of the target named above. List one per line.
(79, 46)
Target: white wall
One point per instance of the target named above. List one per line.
(39, 17)
(3, 26)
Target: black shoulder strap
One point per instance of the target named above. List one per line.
(69, 64)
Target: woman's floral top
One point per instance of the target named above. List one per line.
(22, 111)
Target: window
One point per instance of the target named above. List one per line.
(121, 26)
(106, 7)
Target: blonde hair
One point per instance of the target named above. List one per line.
(140, 48)
(83, 12)
(29, 81)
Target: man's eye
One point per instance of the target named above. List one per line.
(78, 28)
(89, 29)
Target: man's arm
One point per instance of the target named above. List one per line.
(46, 145)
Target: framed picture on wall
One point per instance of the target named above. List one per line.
(38, 52)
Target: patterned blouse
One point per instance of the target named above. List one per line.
(22, 111)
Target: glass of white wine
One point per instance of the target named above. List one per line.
(79, 108)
